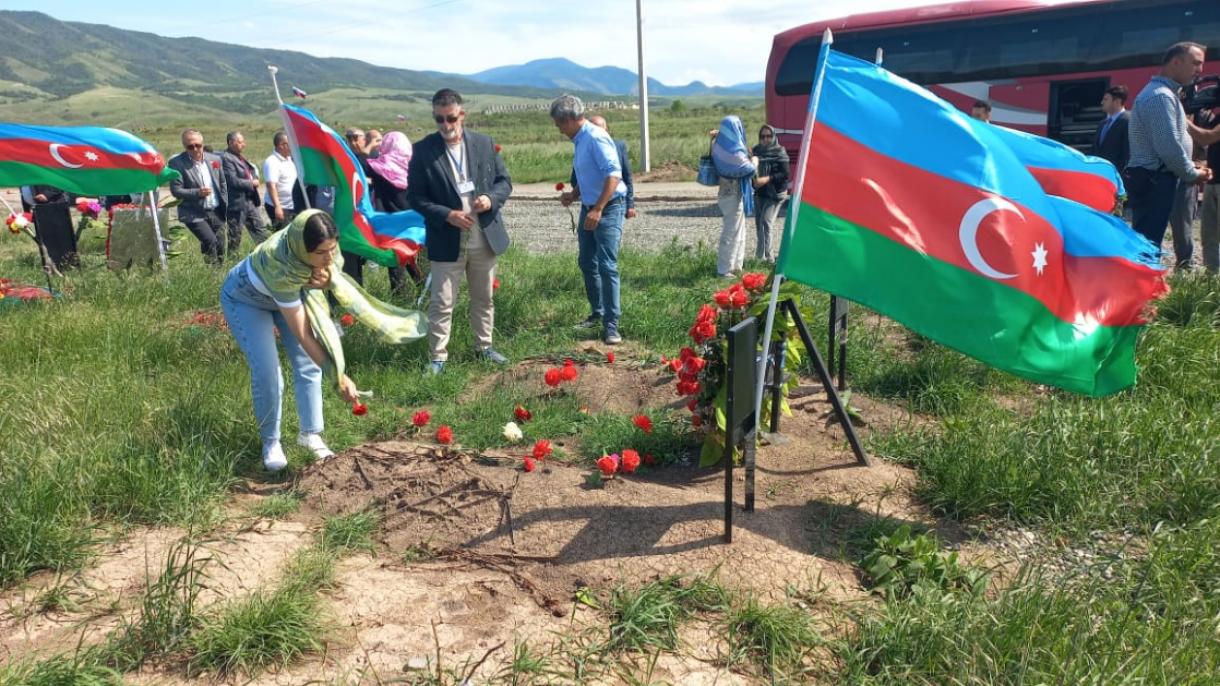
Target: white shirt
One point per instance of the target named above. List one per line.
(456, 153)
(205, 174)
(281, 172)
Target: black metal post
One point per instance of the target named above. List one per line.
(778, 350)
(819, 366)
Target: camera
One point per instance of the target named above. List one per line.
(1201, 98)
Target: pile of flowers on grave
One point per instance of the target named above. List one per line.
(701, 369)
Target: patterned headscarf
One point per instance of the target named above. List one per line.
(393, 160)
(280, 263)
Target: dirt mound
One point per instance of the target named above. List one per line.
(626, 386)
(430, 497)
(671, 170)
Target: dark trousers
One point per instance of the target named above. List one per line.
(249, 216)
(353, 266)
(209, 229)
(289, 215)
(1150, 208)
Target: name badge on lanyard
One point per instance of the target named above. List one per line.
(465, 185)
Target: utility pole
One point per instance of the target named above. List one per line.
(645, 163)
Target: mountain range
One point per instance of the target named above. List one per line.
(73, 72)
(557, 73)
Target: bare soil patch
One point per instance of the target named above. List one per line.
(671, 170)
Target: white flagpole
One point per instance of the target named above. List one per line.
(794, 205)
(292, 138)
(156, 217)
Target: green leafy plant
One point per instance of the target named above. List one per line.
(902, 562)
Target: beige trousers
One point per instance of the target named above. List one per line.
(732, 250)
(478, 263)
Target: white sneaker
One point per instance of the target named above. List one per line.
(273, 457)
(315, 444)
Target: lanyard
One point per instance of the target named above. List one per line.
(459, 163)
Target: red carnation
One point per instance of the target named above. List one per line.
(568, 373)
(739, 299)
(495, 284)
(567, 362)
(689, 387)
(608, 464)
(444, 435)
(559, 186)
(703, 331)
(694, 365)
(649, 460)
(498, 148)
(687, 375)
(215, 165)
(642, 421)
(522, 414)
(360, 409)
(754, 281)
(552, 377)
(693, 405)
(529, 464)
(610, 357)
(723, 298)
(707, 313)
(686, 353)
(420, 419)
(663, 360)
(696, 421)
(542, 449)
(347, 320)
(675, 365)
(631, 461)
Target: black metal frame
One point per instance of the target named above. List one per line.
(745, 429)
(837, 335)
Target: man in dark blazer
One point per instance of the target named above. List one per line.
(201, 188)
(458, 182)
(242, 203)
(1111, 142)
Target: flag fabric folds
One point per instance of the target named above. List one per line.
(1062, 170)
(87, 160)
(388, 238)
(911, 208)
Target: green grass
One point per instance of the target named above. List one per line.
(777, 638)
(349, 533)
(276, 505)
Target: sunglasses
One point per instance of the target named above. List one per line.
(195, 146)
(452, 119)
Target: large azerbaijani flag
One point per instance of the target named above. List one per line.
(909, 207)
(388, 238)
(87, 160)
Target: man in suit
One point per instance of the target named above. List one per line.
(202, 190)
(1111, 141)
(242, 203)
(458, 182)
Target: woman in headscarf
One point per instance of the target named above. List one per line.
(388, 175)
(770, 184)
(736, 167)
(390, 172)
(283, 285)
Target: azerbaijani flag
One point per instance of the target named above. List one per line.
(388, 238)
(87, 160)
(909, 207)
(1063, 170)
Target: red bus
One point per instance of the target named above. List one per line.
(1042, 67)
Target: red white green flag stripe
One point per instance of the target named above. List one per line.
(913, 209)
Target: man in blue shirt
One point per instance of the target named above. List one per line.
(603, 206)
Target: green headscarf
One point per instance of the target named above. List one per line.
(280, 263)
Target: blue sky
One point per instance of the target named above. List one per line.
(717, 41)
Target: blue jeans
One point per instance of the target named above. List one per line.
(253, 318)
(598, 259)
(1150, 210)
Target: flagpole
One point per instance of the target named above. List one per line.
(156, 217)
(794, 205)
(292, 138)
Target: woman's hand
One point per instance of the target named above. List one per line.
(319, 279)
(347, 390)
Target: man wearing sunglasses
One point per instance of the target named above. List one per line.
(202, 189)
(458, 182)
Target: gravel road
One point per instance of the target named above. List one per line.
(541, 224)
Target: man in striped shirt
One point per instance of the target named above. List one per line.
(1161, 144)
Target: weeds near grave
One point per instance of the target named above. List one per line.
(349, 533)
(276, 505)
(775, 637)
